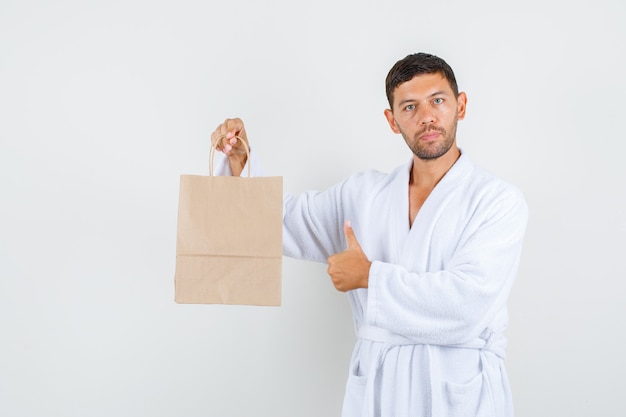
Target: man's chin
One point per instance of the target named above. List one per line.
(428, 153)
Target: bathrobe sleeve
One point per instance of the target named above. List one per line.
(456, 303)
(313, 225)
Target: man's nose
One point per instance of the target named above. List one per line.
(426, 116)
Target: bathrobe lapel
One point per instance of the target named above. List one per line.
(417, 249)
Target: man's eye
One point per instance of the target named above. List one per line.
(410, 107)
(438, 101)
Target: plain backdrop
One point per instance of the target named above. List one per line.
(103, 104)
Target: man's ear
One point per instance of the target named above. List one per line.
(461, 105)
(391, 120)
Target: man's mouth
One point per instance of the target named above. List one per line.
(429, 135)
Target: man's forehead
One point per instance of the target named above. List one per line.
(424, 83)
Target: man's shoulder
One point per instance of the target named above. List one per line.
(485, 185)
(485, 176)
(371, 179)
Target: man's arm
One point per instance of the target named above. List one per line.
(456, 304)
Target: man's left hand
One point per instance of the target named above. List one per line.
(349, 269)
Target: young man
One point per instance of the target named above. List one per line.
(427, 255)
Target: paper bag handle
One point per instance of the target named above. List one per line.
(214, 145)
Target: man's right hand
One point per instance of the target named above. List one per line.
(225, 139)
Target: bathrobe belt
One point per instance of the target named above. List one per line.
(494, 343)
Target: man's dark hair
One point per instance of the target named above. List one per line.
(417, 64)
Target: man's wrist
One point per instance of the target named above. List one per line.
(237, 162)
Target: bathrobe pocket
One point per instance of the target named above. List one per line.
(472, 398)
(354, 399)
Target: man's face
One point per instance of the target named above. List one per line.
(426, 112)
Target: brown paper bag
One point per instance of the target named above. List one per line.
(229, 239)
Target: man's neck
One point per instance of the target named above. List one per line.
(426, 173)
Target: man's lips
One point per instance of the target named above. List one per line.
(430, 135)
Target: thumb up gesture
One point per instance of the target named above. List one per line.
(349, 269)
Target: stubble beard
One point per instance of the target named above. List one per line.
(431, 150)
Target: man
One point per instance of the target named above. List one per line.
(427, 254)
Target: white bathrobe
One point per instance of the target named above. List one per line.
(430, 326)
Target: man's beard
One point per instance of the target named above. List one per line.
(431, 150)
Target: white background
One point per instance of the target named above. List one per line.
(103, 104)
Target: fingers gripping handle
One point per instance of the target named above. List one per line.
(214, 146)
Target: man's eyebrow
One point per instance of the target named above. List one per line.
(431, 95)
(439, 93)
